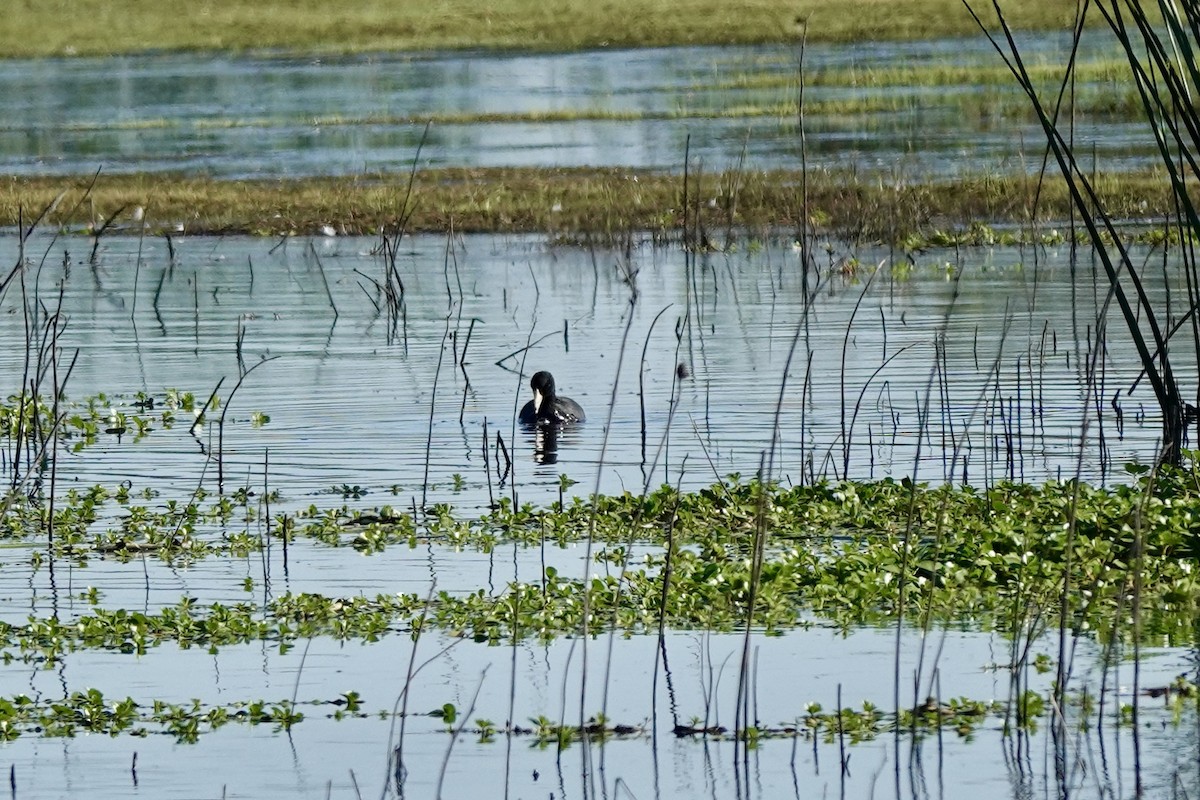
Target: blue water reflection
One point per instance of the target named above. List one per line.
(401, 411)
(274, 116)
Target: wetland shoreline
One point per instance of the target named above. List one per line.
(606, 202)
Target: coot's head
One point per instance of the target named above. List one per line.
(542, 384)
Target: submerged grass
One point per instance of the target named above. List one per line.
(570, 203)
(973, 93)
(103, 27)
(781, 75)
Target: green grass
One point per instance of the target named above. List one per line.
(566, 204)
(921, 75)
(100, 27)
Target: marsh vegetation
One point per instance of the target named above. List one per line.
(336, 534)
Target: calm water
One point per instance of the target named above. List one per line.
(351, 403)
(323, 757)
(245, 116)
(998, 354)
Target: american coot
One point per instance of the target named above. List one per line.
(547, 407)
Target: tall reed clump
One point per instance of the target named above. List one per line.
(1159, 40)
(32, 425)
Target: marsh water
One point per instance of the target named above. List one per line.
(275, 116)
(986, 347)
(968, 366)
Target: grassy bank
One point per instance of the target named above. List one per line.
(101, 27)
(564, 203)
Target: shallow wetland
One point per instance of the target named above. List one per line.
(273, 530)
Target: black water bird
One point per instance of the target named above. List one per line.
(547, 407)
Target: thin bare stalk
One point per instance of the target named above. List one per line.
(842, 372)
(221, 420)
(324, 280)
(101, 231)
(458, 729)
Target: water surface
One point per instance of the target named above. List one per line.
(960, 367)
(267, 116)
(995, 342)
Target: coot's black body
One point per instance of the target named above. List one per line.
(547, 407)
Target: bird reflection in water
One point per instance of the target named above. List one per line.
(545, 444)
